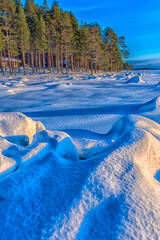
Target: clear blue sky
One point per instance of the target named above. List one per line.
(137, 20)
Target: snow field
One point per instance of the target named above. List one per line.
(83, 161)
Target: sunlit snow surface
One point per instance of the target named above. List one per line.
(80, 156)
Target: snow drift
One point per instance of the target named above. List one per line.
(135, 79)
(158, 84)
(149, 106)
(22, 138)
(15, 128)
(111, 195)
(14, 124)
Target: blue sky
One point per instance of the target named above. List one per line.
(137, 20)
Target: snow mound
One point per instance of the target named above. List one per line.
(71, 77)
(88, 143)
(129, 74)
(59, 141)
(135, 79)
(99, 78)
(44, 143)
(158, 84)
(112, 195)
(22, 138)
(65, 85)
(92, 77)
(7, 164)
(14, 124)
(25, 79)
(149, 106)
(15, 129)
(10, 91)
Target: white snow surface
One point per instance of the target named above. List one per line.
(82, 159)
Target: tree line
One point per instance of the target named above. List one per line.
(42, 38)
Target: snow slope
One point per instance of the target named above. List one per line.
(90, 167)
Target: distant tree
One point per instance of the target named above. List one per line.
(123, 48)
(127, 66)
(115, 54)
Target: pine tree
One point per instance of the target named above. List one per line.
(24, 34)
(116, 62)
(50, 36)
(45, 8)
(123, 48)
(66, 36)
(57, 19)
(75, 40)
(37, 42)
(43, 39)
(84, 47)
(95, 45)
(8, 17)
(32, 20)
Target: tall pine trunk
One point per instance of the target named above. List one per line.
(29, 64)
(61, 58)
(91, 68)
(24, 63)
(72, 61)
(57, 59)
(82, 61)
(85, 61)
(3, 53)
(36, 61)
(66, 57)
(44, 68)
(49, 59)
(52, 57)
(52, 61)
(95, 68)
(1, 62)
(32, 61)
(39, 61)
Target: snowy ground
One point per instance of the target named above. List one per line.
(80, 156)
